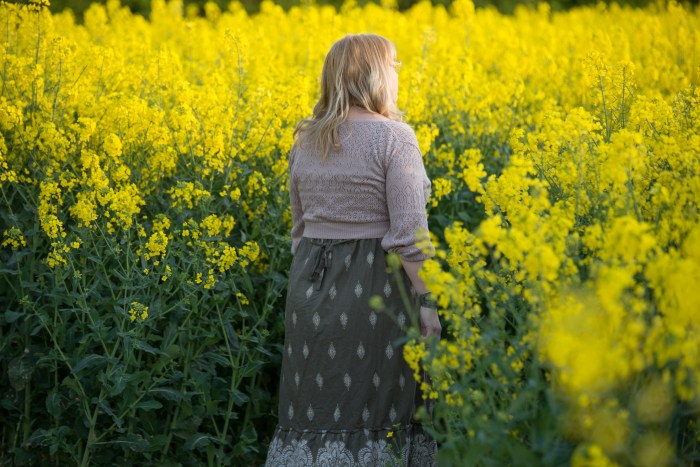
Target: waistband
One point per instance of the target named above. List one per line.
(345, 230)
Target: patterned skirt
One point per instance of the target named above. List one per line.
(347, 396)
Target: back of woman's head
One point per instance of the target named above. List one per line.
(356, 71)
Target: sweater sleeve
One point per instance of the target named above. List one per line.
(407, 193)
(297, 212)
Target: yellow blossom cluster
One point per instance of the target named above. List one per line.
(117, 129)
(13, 238)
(563, 147)
(138, 311)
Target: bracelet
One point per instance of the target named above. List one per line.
(427, 300)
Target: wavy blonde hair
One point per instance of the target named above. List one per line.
(355, 72)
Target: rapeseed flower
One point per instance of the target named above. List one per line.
(567, 177)
(138, 311)
(13, 238)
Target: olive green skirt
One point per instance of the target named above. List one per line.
(347, 396)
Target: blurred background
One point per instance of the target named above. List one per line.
(253, 6)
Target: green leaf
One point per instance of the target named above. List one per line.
(217, 358)
(251, 369)
(39, 437)
(133, 442)
(12, 316)
(53, 404)
(139, 377)
(89, 361)
(7, 404)
(119, 385)
(19, 372)
(158, 442)
(232, 337)
(108, 410)
(239, 398)
(522, 455)
(149, 405)
(173, 350)
(141, 345)
(198, 440)
(72, 384)
(170, 394)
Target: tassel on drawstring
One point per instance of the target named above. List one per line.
(323, 261)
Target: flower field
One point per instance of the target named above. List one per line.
(144, 228)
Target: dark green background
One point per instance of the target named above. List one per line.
(252, 6)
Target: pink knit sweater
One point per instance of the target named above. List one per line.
(375, 186)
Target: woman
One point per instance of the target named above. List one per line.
(358, 191)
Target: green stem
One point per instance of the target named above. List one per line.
(90, 437)
(234, 382)
(81, 389)
(168, 427)
(58, 85)
(86, 311)
(608, 130)
(27, 422)
(36, 63)
(624, 82)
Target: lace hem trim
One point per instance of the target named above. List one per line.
(399, 450)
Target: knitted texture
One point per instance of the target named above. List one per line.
(375, 186)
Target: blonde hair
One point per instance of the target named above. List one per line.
(355, 72)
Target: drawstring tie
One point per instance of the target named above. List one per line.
(323, 261)
(324, 256)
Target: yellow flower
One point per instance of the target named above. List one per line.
(156, 245)
(138, 311)
(168, 273)
(187, 194)
(242, 298)
(13, 238)
(441, 187)
(591, 456)
(113, 146)
(576, 176)
(85, 208)
(249, 252)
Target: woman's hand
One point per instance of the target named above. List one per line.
(429, 322)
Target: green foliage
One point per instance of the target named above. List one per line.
(90, 376)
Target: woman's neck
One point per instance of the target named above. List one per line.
(357, 112)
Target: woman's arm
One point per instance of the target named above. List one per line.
(407, 193)
(295, 201)
(429, 319)
(412, 268)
